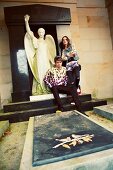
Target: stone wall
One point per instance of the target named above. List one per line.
(89, 31)
(95, 50)
(5, 67)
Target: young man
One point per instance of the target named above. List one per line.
(56, 80)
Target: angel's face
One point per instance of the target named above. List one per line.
(41, 32)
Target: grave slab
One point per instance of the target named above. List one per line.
(49, 130)
(105, 111)
(94, 161)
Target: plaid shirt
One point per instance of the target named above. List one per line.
(56, 77)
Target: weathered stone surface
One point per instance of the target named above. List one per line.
(105, 111)
(4, 125)
(92, 12)
(97, 21)
(88, 3)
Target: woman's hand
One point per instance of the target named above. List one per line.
(71, 54)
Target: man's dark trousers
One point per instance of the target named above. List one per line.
(70, 90)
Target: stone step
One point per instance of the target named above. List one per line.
(27, 105)
(24, 115)
(89, 105)
(4, 125)
(105, 111)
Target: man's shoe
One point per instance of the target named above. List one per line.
(60, 110)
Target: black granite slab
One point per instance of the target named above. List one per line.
(27, 105)
(49, 127)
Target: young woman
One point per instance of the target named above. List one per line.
(70, 58)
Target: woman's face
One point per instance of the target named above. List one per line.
(65, 41)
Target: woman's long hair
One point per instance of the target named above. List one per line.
(62, 46)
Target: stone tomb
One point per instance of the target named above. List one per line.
(105, 111)
(42, 132)
(48, 128)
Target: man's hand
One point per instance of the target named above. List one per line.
(26, 17)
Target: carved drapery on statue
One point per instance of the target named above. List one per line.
(40, 54)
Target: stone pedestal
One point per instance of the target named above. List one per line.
(45, 97)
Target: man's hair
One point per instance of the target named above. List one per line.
(58, 58)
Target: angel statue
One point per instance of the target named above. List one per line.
(40, 54)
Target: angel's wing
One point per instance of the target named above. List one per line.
(31, 54)
(51, 47)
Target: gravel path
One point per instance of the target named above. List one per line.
(11, 146)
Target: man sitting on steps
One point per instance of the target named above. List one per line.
(56, 80)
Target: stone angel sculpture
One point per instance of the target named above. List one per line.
(40, 54)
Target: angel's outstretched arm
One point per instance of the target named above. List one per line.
(26, 18)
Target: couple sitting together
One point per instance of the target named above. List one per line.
(58, 81)
(40, 53)
(64, 77)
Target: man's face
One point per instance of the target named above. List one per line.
(58, 64)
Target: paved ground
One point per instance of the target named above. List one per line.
(11, 145)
